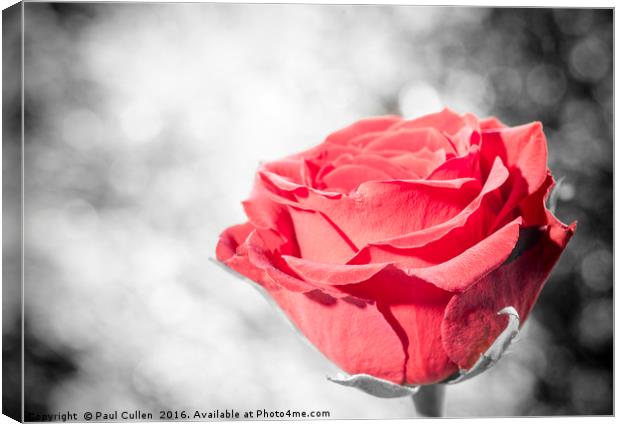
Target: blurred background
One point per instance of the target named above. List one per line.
(145, 124)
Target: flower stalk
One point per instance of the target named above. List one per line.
(429, 401)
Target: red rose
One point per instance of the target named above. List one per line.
(393, 244)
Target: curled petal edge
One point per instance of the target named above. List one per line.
(493, 353)
(374, 386)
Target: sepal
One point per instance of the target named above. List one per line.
(375, 386)
(552, 202)
(495, 352)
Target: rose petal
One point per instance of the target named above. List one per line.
(467, 136)
(348, 177)
(268, 269)
(230, 239)
(476, 214)
(491, 123)
(466, 166)
(471, 322)
(462, 271)
(460, 129)
(423, 153)
(354, 335)
(444, 263)
(289, 168)
(409, 140)
(309, 172)
(418, 164)
(360, 141)
(319, 239)
(271, 220)
(327, 152)
(494, 353)
(446, 121)
(332, 274)
(283, 186)
(524, 151)
(532, 208)
(427, 362)
(382, 209)
(232, 250)
(379, 123)
(349, 331)
(415, 310)
(392, 168)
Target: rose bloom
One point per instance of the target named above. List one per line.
(393, 244)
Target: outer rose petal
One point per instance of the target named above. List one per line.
(232, 251)
(230, 239)
(350, 332)
(471, 323)
(354, 335)
(253, 260)
(440, 264)
(460, 272)
(333, 274)
(427, 361)
(271, 219)
(532, 208)
(415, 310)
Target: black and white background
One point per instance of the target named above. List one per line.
(144, 125)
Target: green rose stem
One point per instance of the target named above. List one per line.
(429, 401)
